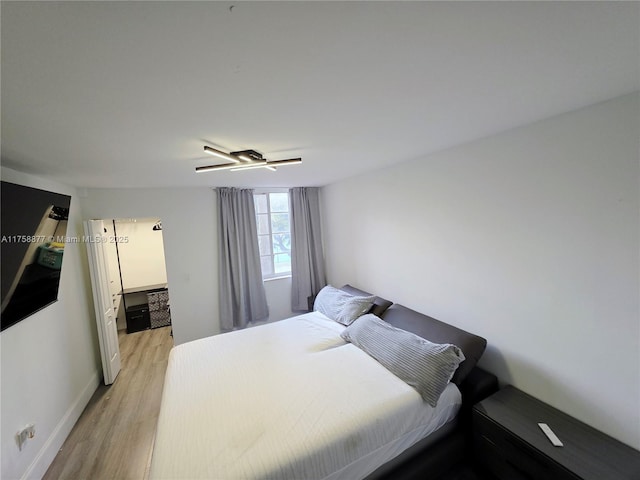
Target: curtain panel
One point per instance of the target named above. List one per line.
(307, 258)
(242, 295)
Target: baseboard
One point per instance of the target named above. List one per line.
(49, 450)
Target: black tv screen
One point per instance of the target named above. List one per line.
(33, 235)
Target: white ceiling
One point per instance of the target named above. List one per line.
(107, 94)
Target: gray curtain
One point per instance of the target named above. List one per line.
(307, 259)
(242, 296)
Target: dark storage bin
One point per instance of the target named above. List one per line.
(160, 319)
(159, 308)
(138, 318)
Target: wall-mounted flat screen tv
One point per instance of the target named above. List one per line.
(33, 234)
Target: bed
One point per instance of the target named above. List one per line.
(302, 399)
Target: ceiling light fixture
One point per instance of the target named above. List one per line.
(244, 160)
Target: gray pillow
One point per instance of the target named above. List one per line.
(380, 304)
(341, 306)
(427, 367)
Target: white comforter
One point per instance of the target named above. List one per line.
(287, 400)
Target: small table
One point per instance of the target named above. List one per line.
(508, 442)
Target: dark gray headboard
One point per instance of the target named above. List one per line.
(438, 332)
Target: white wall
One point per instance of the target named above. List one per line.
(141, 252)
(278, 291)
(50, 361)
(190, 244)
(529, 238)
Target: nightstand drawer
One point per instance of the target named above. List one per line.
(510, 458)
(491, 457)
(508, 442)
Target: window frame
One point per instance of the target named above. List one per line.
(269, 212)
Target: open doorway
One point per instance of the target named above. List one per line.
(138, 275)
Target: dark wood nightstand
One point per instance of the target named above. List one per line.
(508, 443)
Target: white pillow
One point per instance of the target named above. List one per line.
(341, 306)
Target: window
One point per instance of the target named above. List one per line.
(274, 233)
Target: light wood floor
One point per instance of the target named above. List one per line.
(113, 437)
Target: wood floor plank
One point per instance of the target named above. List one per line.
(113, 438)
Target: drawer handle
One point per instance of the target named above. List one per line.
(526, 454)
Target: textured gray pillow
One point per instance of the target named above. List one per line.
(425, 366)
(341, 306)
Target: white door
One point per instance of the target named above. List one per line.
(102, 299)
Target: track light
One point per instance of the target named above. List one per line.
(244, 160)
